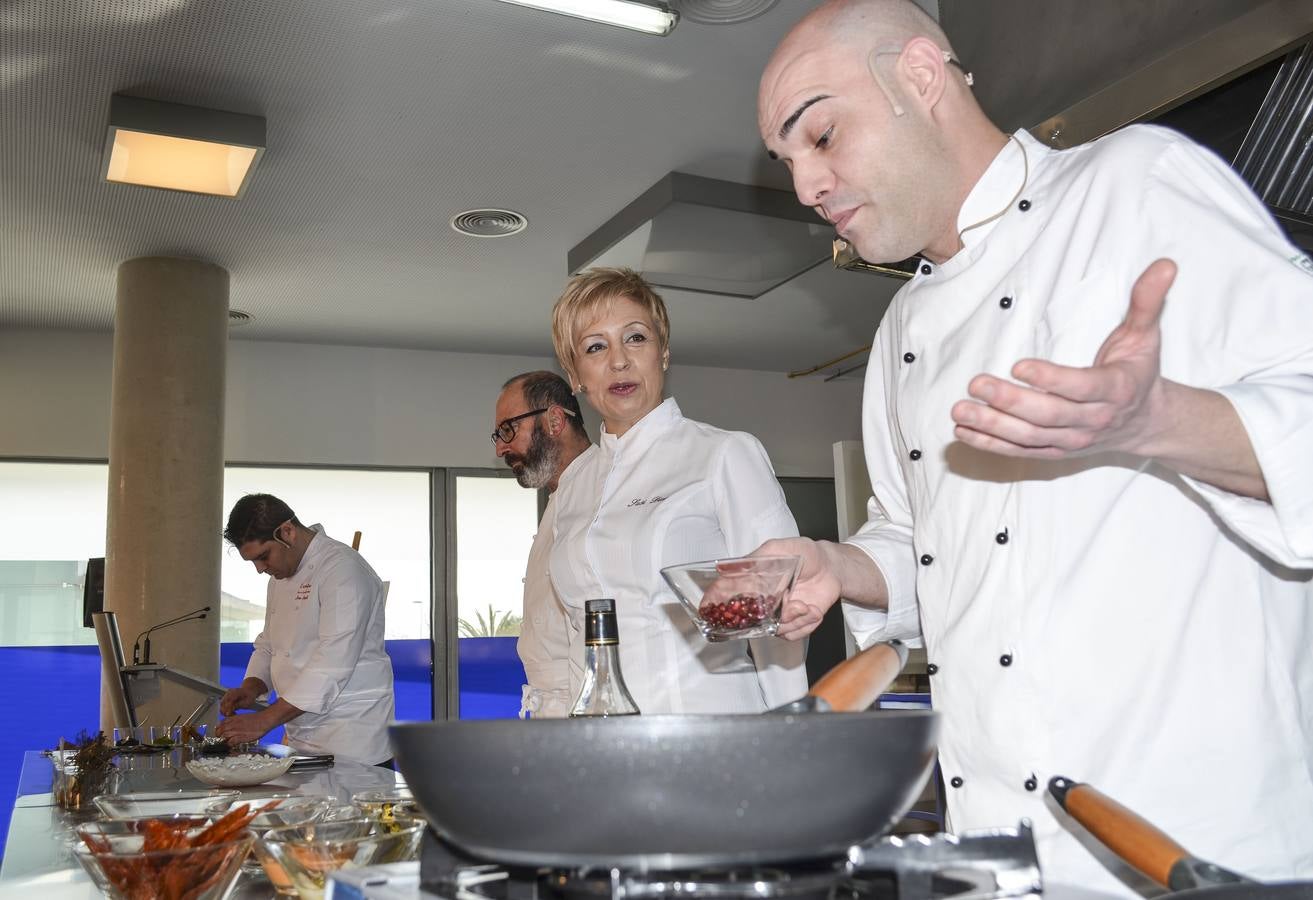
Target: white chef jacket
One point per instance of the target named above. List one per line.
(544, 644)
(1105, 618)
(669, 491)
(322, 651)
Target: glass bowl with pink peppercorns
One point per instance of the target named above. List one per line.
(734, 598)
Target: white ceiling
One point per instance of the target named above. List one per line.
(385, 119)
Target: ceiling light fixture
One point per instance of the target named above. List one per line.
(181, 148)
(647, 16)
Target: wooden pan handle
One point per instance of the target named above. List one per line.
(355, 541)
(1136, 840)
(857, 682)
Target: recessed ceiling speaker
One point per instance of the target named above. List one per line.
(722, 12)
(489, 222)
(236, 318)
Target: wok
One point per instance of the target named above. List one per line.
(1142, 845)
(676, 792)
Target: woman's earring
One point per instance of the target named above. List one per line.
(579, 389)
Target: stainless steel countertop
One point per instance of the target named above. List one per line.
(40, 843)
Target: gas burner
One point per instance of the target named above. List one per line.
(812, 881)
(985, 865)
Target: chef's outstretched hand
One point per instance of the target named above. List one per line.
(1063, 411)
(813, 593)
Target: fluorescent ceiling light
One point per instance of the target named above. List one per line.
(648, 17)
(181, 148)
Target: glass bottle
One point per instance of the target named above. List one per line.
(603, 692)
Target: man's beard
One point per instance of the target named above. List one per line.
(538, 465)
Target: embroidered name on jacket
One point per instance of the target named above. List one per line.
(639, 501)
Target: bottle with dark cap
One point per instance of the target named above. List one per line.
(603, 692)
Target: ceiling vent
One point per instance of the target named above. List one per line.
(722, 12)
(489, 223)
(237, 318)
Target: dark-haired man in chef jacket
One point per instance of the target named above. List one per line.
(539, 433)
(1088, 422)
(322, 646)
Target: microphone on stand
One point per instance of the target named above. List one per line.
(137, 657)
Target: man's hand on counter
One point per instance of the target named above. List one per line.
(242, 697)
(247, 728)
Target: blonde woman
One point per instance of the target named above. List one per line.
(662, 490)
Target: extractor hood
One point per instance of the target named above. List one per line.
(710, 236)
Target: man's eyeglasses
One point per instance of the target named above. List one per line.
(507, 427)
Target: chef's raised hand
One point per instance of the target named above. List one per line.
(243, 696)
(1118, 403)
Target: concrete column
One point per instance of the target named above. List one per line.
(166, 467)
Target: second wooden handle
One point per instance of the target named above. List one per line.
(1133, 838)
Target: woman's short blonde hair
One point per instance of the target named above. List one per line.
(586, 293)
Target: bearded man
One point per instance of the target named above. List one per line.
(539, 434)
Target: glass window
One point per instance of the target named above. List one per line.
(52, 520)
(495, 523)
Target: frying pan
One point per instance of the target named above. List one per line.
(676, 792)
(1142, 845)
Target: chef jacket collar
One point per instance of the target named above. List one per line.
(997, 187)
(575, 465)
(313, 549)
(643, 432)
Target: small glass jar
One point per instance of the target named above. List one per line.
(394, 808)
(74, 790)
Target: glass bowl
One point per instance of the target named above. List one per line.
(161, 803)
(240, 770)
(305, 855)
(120, 868)
(289, 809)
(393, 813)
(734, 598)
(394, 808)
(340, 811)
(193, 823)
